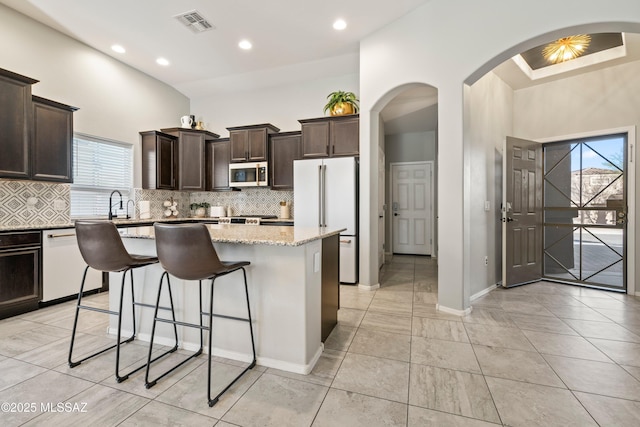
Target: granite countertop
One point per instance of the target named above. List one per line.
(119, 223)
(249, 234)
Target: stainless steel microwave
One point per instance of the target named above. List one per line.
(248, 174)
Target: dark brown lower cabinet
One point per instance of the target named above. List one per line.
(330, 284)
(20, 281)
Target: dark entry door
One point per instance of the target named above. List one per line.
(522, 212)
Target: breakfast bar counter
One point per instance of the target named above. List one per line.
(293, 287)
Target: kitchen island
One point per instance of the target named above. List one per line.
(293, 287)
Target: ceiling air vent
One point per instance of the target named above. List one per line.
(194, 21)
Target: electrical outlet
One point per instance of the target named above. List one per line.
(486, 261)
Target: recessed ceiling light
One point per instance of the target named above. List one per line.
(162, 61)
(245, 44)
(118, 48)
(339, 25)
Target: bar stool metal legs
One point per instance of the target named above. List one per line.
(119, 341)
(212, 401)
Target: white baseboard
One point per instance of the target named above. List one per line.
(369, 287)
(483, 292)
(233, 355)
(453, 310)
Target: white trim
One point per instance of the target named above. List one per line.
(483, 292)
(369, 287)
(431, 163)
(233, 355)
(453, 310)
(632, 159)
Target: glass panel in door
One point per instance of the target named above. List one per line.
(585, 211)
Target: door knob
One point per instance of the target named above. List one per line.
(395, 214)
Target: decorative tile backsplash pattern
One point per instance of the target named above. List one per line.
(157, 198)
(52, 202)
(249, 201)
(15, 210)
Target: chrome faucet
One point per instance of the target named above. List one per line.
(111, 203)
(133, 210)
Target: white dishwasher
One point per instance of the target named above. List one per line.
(63, 266)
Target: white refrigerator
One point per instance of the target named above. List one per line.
(326, 195)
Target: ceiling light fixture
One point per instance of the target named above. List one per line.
(339, 25)
(162, 61)
(245, 44)
(566, 48)
(118, 48)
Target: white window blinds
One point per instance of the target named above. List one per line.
(99, 167)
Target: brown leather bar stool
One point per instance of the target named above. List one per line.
(186, 252)
(102, 249)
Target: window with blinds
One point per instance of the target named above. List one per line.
(100, 166)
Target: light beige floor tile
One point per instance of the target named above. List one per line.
(56, 353)
(47, 387)
(608, 411)
(340, 338)
(516, 365)
(277, 401)
(159, 414)
(623, 353)
(455, 392)
(542, 324)
(15, 371)
(104, 406)
(523, 404)
(578, 313)
(404, 285)
(28, 340)
(342, 408)
(373, 376)
(322, 374)
(623, 316)
(489, 317)
(498, 336)
(427, 327)
(359, 301)
(392, 302)
(136, 382)
(421, 417)
(14, 325)
(593, 302)
(595, 377)
(434, 313)
(397, 324)
(633, 370)
(382, 344)
(444, 354)
(555, 300)
(486, 301)
(563, 345)
(528, 307)
(425, 285)
(610, 331)
(190, 392)
(350, 317)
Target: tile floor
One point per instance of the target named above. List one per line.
(539, 355)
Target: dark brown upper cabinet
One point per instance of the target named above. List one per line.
(331, 136)
(218, 155)
(52, 144)
(16, 118)
(159, 160)
(285, 148)
(250, 143)
(191, 157)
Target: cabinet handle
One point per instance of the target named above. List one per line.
(55, 236)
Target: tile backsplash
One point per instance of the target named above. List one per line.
(33, 203)
(28, 203)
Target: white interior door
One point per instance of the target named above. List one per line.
(381, 206)
(412, 207)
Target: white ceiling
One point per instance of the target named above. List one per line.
(283, 32)
(293, 40)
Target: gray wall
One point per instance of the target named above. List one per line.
(115, 100)
(490, 122)
(409, 147)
